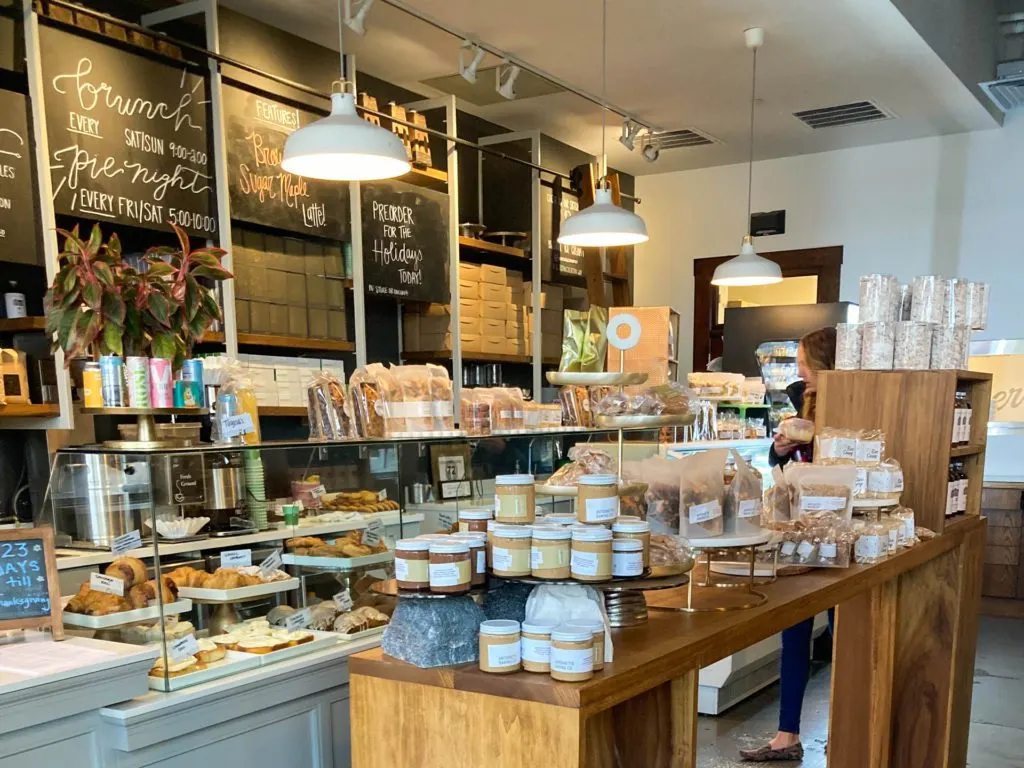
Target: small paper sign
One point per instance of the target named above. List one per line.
(271, 563)
(183, 647)
(299, 620)
(446, 518)
(317, 491)
(236, 426)
(373, 533)
(126, 542)
(343, 600)
(382, 494)
(109, 584)
(236, 558)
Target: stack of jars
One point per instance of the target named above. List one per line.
(569, 652)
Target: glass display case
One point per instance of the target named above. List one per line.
(777, 360)
(231, 557)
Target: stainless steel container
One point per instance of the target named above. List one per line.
(225, 490)
(105, 496)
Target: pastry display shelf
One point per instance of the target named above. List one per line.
(240, 594)
(232, 663)
(596, 378)
(119, 619)
(338, 563)
(626, 489)
(321, 641)
(875, 503)
(644, 421)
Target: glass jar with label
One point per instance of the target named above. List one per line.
(450, 571)
(535, 644)
(499, 646)
(591, 556)
(475, 519)
(477, 556)
(549, 552)
(572, 654)
(597, 499)
(510, 550)
(627, 558)
(597, 633)
(514, 499)
(491, 525)
(636, 529)
(412, 564)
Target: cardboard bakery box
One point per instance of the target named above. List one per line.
(516, 347)
(334, 261)
(335, 293)
(296, 289)
(259, 317)
(336, 326)
(298, 323)
(242, 315)
(470, 308)
(492, 292)
(516, 312)
(550, 345)
(317, 323)
(469, 272)
(493, 310)
(551, 296)
(513, 329)
(492, 328)
(472, 326)
(471, 343)
(294, 256)
(492, 275)
(436, 342)
(434, 325)
(434, 310)
(493, 345)
(278, 318)
(316, 290)
(411, 330)
(469, 289)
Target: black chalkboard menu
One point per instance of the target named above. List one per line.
(18, 222)
(565, 260)
(261, 192)
(128, 136)
(29, 590)
(405, 241)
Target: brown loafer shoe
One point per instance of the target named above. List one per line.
(766, 754)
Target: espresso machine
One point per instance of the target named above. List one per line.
(97, 497)
(225, 494)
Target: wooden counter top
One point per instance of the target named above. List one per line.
(671, 643)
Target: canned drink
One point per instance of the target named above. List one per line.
(161, 392)
(92, 385)
(187, 394)
(137, 369)
(112, 381)
(192, 370)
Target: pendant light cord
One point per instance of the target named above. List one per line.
(750, 165)
(604, 93)
(341, 42)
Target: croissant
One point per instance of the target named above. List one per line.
(138, 596)
(225, 580)
(304, 542)
(180, 576)
(198, 579)
(130, 570)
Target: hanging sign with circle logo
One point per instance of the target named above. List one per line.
(624, 332)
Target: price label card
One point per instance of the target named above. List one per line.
(382, 494)
(126, 542)
(271, 563)
(183, 647)
(299, 619)
(236, 426)
(343, 600)
(373, 533)
(109, 584)
(236, 558)
(446, 518)
(317, 491)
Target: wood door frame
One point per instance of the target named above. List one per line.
(824, 263)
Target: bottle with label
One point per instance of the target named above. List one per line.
(962, 496)
(957, 419)
(968, 412)
(952, 491)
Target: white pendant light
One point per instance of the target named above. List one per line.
(748, 268)
(343, 146)
(604, 224)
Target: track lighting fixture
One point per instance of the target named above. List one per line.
(475, 54)
(357, 21)
(505, 79)
(651, 149)
(630, 130)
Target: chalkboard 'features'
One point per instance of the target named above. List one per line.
(128, 136)
(261, 192)
(405, 241)
(24, 590)
(565, 260)
(18, 221)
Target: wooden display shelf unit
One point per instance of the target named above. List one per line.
(18, 324)
(20, 410)
(282, 410)
(472, 250)
(431, 178)
(287, 342)
(473, 357)
(915, 411)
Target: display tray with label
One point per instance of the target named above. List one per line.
(339, 563)
(319, 641)
(182, 605)
(239, 594)
(371, 632)
(232, 663)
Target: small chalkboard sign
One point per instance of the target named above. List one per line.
(405, 241)
(19, 224)
(29, 586)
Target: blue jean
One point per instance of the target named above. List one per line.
(796, 669)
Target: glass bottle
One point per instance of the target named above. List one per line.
(952, 489)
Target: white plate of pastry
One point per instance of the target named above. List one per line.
(268, 644)
(209, 663)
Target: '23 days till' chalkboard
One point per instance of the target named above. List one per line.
(29, 586)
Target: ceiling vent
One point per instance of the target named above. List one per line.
(685, 137)
(1007, 92)
(842, 114)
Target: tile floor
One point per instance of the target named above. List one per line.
(997, 713)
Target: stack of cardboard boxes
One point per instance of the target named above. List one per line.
(276, 380)
(288, 287)
(551, 306)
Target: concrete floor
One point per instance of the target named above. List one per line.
(997, 712)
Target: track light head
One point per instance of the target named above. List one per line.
(651, 150)
(630, 130)
(505, 79)
(470, 56)
(357, 21)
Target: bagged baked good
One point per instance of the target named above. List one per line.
(365, 401)
(675, 399)
(743, 499)
(507, 410)
(583, 460)
(576, 406)
(325, 406)
(870, 447)
(715, 384)
(776, 501)
(797, 430)
(669, 551)
(238, 381)
(702, 494)
(442, 395)
(663, 478)
(885, 481)
(584, 339)
(819, 488)
(475, 409)
(409, 407)
(833, 445)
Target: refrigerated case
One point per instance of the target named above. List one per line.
(777, 360)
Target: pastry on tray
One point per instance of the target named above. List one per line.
(209, 651)
(130, 570)
(185, 666)
(260, 645)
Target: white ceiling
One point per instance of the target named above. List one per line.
(674, 63)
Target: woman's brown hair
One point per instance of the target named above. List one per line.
(820, 350)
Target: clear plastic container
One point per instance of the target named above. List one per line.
(878, 343)
(979, 306)
(879, 298)
(928, 298)
(956, 310)
(913, 346)
(848, 346)
(949, 347)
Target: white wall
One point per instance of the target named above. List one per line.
(951, 205)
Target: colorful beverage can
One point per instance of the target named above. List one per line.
(187, 394)
(161, 391)
(192, 370)
(112, 381)
(137, 369)
(92, 385)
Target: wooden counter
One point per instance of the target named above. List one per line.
(904, 659)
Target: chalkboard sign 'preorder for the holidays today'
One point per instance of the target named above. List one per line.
(29, 586)
(261, 192)
(128, 136)
(405, 241)
(18, 222)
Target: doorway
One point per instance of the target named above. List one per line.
(810, 276)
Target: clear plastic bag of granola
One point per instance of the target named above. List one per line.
(442, 396)
(870, 447)
(817, 488)
(663, 478)
(325, 406)
(702, 494)
(743, 499)
(475, 412)
(365, 402)
(835, 446)
(507, 410)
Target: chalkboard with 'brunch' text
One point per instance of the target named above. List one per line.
(405, 241)
(128, 136)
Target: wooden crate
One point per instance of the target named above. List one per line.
(915, 410)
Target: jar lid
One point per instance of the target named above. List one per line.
(513, 480)
(592, 624)
(513, 531)
(591, 533)
(629, 518)
(551, 533)
(598, 480)
(630, 526)
(539, 627)
(476, 513)
(627, 545)
(432, 536)
(474, 538)
(559, 519)
(417, 545)
(499, 627)
(448, 547)
(568, 633)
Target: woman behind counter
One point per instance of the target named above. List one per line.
(816, 352)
